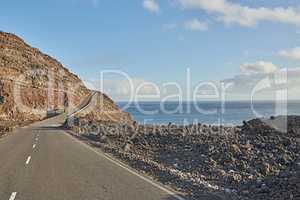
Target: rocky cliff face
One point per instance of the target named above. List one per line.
(32, 83)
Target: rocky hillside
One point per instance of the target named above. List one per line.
(101, 108)
(32, 83)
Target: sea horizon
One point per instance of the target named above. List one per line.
(207, 112)
(150, 101)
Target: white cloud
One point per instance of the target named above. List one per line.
(234, 13)
(195, 25)
(122, 88)
(243, 85)
(291, 53)
(151, 6)
(260, 67)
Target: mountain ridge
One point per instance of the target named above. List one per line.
(32, 83)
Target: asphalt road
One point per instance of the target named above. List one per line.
(42, 162)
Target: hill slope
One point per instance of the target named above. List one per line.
(32, 83)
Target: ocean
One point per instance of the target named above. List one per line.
(229, 113)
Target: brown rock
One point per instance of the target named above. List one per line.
(31, 83)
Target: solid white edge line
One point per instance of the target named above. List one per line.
(127, 169)
(28, 160)
(13, 196)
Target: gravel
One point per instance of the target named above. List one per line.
(258, 160)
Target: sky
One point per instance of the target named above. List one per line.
(156, 42)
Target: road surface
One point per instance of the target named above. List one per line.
(42, 162)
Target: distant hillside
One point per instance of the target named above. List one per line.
(32, 83)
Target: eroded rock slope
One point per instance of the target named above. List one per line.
(32, 83)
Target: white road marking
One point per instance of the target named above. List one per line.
(33, 146)
(128, 169)
(13, 196)
(28, 160)
(36, 139)
(54, 125)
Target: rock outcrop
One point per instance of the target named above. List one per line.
(32, 83)
(101, 108)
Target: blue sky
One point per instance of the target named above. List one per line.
(156, 40)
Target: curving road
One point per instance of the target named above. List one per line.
(42, 162)
(84, 104)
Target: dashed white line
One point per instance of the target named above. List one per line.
(33, 146)
(13, 196)
(36, 139)
(28, 160)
